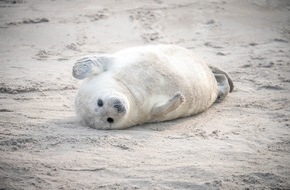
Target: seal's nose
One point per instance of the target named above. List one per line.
(118, 105)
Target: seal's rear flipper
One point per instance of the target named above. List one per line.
(168, 106)
(216, 70)
(223, 86)
(90, 66)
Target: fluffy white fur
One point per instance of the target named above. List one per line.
(151, 83)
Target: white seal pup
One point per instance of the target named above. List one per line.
(146, 84)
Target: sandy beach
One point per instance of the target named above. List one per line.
(241, 143)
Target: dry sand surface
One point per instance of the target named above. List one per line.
(241, 143)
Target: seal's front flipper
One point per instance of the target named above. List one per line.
(223, 86)
(91, 66)
(168, 106)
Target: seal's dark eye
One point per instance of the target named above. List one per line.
(100, 103)
(110, 120)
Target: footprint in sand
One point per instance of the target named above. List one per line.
(99, 15)
(28, 21)
(148, 20)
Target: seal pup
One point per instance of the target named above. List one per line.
(143, 84)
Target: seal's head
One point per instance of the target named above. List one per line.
(106, 111)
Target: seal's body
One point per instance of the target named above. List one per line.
(146, 84)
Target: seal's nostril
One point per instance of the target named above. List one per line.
(110, 120)
(119, 107)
